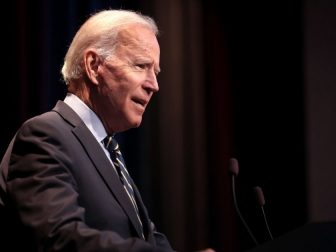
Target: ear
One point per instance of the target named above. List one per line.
(91, 64)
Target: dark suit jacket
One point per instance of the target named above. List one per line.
(60, 192)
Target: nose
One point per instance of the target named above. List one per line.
(152, 84)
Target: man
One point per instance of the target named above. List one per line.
(62, 188)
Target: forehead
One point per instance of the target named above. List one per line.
(140, 40)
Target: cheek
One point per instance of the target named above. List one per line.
(131, 80)
(113, 83)
(136, 77)
(124, 76)
(120, 82)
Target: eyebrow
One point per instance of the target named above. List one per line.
(141, 56)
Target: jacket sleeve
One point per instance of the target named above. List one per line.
(44, 197)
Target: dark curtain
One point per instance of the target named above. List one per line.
(231, 86)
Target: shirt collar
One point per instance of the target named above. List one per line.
(90, 119)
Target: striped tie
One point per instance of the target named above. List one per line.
(112, 146)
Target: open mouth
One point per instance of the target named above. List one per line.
(140, 102)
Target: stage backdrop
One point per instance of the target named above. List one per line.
(238, 80)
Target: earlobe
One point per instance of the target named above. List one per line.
(91, 64)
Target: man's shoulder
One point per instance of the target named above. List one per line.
(49, 117)
(48, 120)
(58, 115)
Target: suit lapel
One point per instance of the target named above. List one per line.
(100, 161)
(148, 232)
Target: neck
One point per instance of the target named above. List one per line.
(81, 90)
(90, 96)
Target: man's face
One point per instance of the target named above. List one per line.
(128, 81)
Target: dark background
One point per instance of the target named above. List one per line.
(254, 80)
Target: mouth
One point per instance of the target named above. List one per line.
(141, 102)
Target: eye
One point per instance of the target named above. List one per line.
(141, 66)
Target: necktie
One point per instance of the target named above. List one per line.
(112, 146)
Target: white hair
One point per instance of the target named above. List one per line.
(100, 32)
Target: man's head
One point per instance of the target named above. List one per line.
(112, 65)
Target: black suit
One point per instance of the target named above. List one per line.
(63, 193)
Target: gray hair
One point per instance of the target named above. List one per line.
(100, 32)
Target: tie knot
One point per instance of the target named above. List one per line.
(111, 143)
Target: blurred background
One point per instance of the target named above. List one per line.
(254, 80)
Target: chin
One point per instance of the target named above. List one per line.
(136, 125)
(136, 122)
